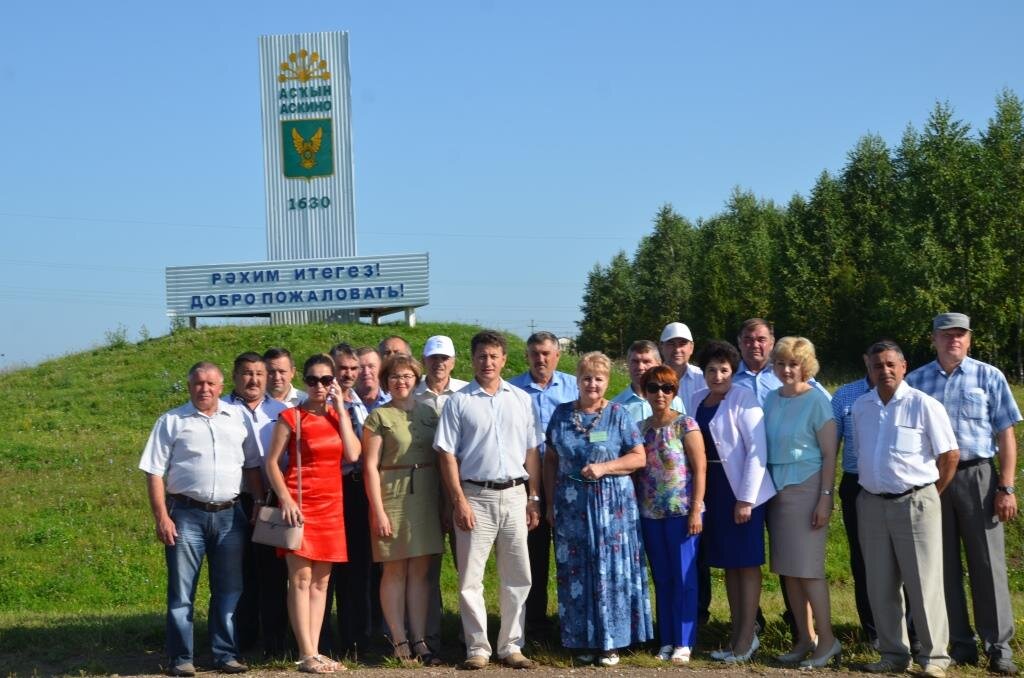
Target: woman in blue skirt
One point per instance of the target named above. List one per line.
(738, 485)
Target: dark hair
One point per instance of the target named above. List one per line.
(541, 338)
(643, 346)
(277, 352)
(245, 359)
(662, 374)
(886, 345)
(342, 350)
(719, 351)
(317, 359)
(751, 323)
(380, 345)
(396, 362)
(488, 338)
(204, 366)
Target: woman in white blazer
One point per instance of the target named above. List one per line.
(738, 485)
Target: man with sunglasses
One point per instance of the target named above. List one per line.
(642, 356)
(262, 607)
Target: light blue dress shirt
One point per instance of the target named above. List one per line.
(764, 382)
(562, 388)
(639, 408)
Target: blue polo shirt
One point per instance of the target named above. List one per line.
(842, 412)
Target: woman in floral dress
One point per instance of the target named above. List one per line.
(593, 446)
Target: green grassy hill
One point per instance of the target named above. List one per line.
(83, 577)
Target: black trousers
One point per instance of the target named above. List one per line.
(849, 488)
(262, 611)
(355, 586)
(538, 547)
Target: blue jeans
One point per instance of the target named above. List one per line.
(219, 536)
(672, 553)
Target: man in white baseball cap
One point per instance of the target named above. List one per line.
(676, 348)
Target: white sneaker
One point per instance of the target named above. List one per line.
(681, 655)
(665, 653)
(608, 659)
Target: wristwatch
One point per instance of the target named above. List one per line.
(827, 493)
(533, 497)
(1008, 489)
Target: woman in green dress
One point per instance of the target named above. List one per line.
(403, 489)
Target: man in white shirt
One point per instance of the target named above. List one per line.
(906, 456)
(676, 350)
(194, 462)
(437, 383)
(487, 453)
(280, 373)
(262, 608)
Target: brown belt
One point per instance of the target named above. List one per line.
(412, 472)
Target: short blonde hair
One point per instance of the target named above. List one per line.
(595, 361)
(800, 349)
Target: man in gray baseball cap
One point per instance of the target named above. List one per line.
(980, 497)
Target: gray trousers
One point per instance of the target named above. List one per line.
(902, 544)
(967, 517)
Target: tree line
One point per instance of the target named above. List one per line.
(876, 250)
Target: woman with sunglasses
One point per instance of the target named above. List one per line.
(403, 489)
(326, 438)
(592, 447)
(670, 493)
(738, 485)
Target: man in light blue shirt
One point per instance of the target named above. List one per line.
(642, 356)
(547, 388)
(676, 350)
(979, 499)
(756, 340)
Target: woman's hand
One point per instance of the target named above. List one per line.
(593, 471)
(381, 524)
(290, 511)
(822, 512)
(741, 512)
(696, 521)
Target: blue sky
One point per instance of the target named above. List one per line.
(519, 143)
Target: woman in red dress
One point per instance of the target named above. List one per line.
(326, 437)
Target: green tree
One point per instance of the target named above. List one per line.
(663, 269)
(609, 300)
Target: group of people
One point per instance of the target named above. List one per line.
(681, 472)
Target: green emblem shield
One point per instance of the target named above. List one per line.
(307, 148)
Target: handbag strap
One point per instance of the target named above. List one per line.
(298, 448)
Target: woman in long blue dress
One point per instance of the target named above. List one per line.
(593, 446)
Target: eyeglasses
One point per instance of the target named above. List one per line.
(312, 381)
(404, 376)
(667, 389)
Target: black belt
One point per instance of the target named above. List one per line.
(491, 485)
(412, 472)
(973, 462)
(897, 495)
(208, 506)
(355, 476)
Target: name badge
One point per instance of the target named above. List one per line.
(598, 436)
